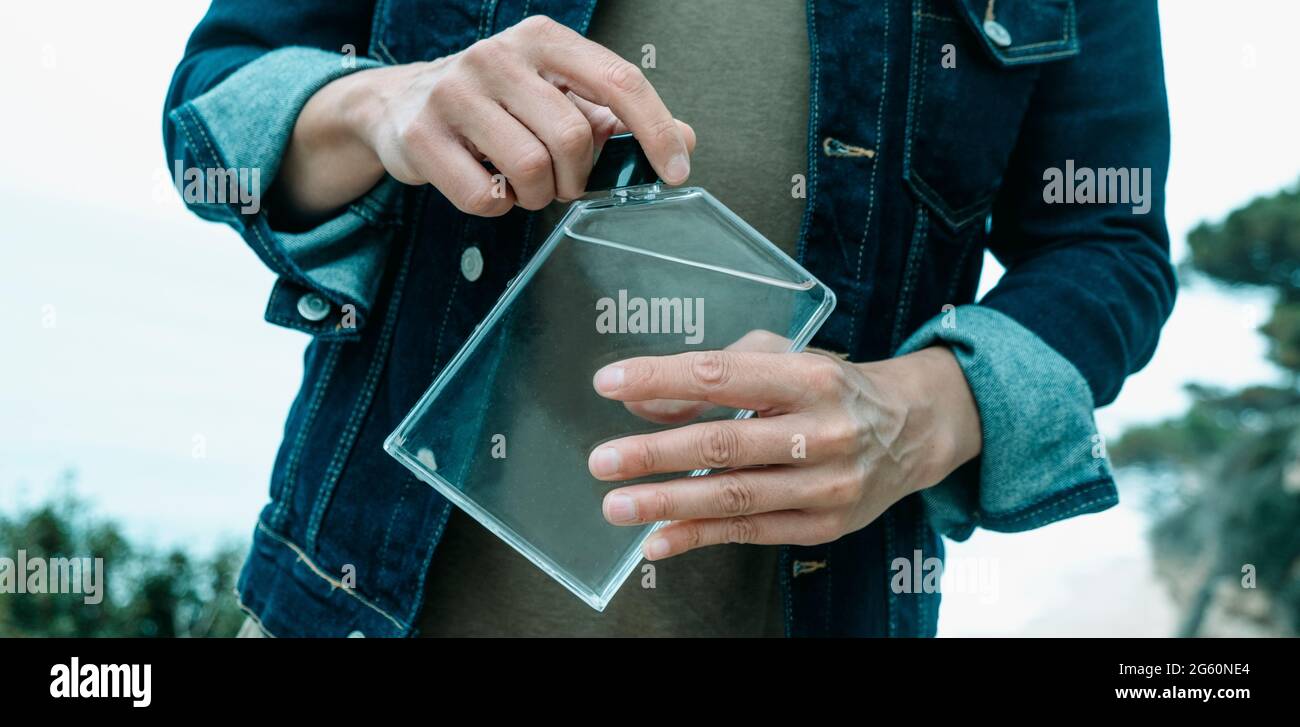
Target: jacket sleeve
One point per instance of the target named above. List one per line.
(1086, 290)
(247, 71)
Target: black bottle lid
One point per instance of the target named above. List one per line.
(622, 163)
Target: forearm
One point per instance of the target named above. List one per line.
(329, 162)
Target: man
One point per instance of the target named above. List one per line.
(885, 145)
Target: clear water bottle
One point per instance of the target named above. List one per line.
(632, 269)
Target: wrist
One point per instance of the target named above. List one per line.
(343, 116)
(362, 101)
(940, 402)
(329, 161)
(951, 396)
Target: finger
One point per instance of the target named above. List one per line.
(561, 126)
(514, 150)
(786, 527)
(765, 382)
(708, 445)
(600, 75)
(461, 177)
(722, 495)
(678, 411)
(605, 124)
(688, 133)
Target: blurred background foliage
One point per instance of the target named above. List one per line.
(147, 593)
(1225, 476)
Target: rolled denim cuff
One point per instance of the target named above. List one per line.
(1042, 458)
(329, 275)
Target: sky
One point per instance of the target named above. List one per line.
(134, 347)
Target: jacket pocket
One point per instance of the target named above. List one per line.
(974, 67)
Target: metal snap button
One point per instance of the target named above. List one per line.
(997, 33)
(313, 307)
(471, 263)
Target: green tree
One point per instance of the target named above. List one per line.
(1226, 475)
(146, 593)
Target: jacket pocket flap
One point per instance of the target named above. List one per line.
(1020, 32)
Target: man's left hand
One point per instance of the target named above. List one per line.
(832, 446)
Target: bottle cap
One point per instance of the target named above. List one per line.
(622, 163)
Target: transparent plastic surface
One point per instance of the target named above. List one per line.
(505, 430)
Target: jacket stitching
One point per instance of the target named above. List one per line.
(923, 599)
(932, 16)
(913, 72)
(891, 598)
(915, 252)
(1064, 513)
(335, 583)
(956, 218)
(378, 27)
(1067, 33)
(392, 519)
(249, 613)
(182, 122)
(527, 243)
(1084, 490)
(442, 327)
(1014, 54)
(291, 474)
(918, 593)
(216, 158)
(786, 597)
(830, 573)
(586, 20)
(860, 302)
(362, 405)
(967, 243)
(382, 48)
(418, 602)
(1023, 60)
(485, 17)
(814, 122)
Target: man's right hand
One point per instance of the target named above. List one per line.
(536, 100)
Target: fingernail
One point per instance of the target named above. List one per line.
(656, 548)
(604, 462)
(620, 509)
(678, 169)
(609, 379)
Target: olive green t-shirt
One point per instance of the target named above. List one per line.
(738, 73)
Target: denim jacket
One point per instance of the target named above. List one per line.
(938, 129)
